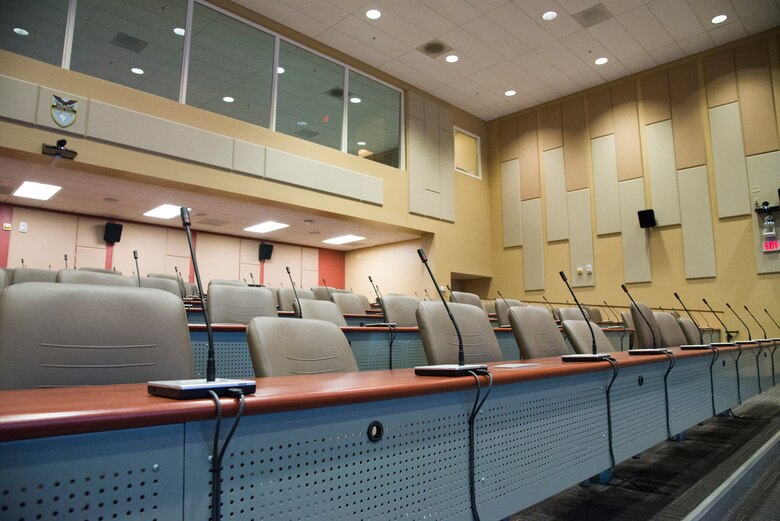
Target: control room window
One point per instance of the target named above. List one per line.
(34, 28)
(467, 153)
(374, 116)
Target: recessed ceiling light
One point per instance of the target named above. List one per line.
(136, 70)
(179, 31)
(719, 19)
(40, 191)
(373, 14)
(21, 32)
(361, 143)
(228, 99)
(164, 211)
(268, 226)
(355, 99)
(510, 92)
(344, 239)
(302, 123)
(549, 15)
(452, 58)
(601, 61)
(280, 70)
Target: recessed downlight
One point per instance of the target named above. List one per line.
(266, 227)
(601, 61)
(164, 211)
(510, 92)
(21, 32)
(452, 58)
(344, 239)
(136, 70)
(549, 15)
(280, 70)
(719, 19)
(361, 143)
(228, 99)
(178, 31)
(40, 191)
(373, 14)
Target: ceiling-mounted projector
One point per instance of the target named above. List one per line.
(58, 150)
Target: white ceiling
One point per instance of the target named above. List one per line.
(506, 45)
(108, 196)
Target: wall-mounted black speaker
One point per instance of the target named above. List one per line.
(112, 233)
(646, 218)
(265, 251)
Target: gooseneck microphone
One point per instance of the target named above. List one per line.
(725, 329)
(505, 303)
(750, 337)
(137, 271)
(211, 365)
(452, 297)
(23, 266)
(327, 289)
(772, 319)
(655, 342)
(606, 306)
(252, 278)
(295, 292)
(584, 316)
(549, 305)
(701, 337)
(427, 295)
(763, 331)
(376, 290)
(66, 261)
(461, 355)
(180, 280)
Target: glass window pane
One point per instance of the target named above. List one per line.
(467, 153)
(113, 37)
(44, 23)
(374, 128)
(310, 96)
(230, 60)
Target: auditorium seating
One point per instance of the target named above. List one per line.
(321, 292)
(4, 279)
(320, 310)
(171, 286)
(440, 340)
(226, 282)
(33, 275)
(671, 332)
(502, 310)
(62, 335)
(581, 339)
(536, 333)
(238, 305)
(572, 314)
(286, 296)
(400, 310)
(348, 303)
(594, 313)
(628, 323)
(466, 298)
(281, 347)
(691, 331)
(642, 316)
(183, 290)
(69, 276)
(101, 270)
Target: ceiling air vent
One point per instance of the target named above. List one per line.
(434, 48)
(592, 15)
(305, 133)
(131, 43)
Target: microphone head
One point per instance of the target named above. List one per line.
(499, 294)
(176, 269)
(421, 253)
(746, 309)
(705, 301)
(624, 288)
(288, 269)
(185, 216)
(729, 306)
(135, 254)
(370, 279)
(563, 275)
(676, 296)
(66, 256)
(323, 282)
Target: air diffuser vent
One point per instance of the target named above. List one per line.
(131, 43)
(434, 48)
(592, 15)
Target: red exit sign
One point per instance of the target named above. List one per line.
(770, 246)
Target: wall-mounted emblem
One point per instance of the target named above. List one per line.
(63, 111)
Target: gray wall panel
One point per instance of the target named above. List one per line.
(696, 217)
(18, 99)
(662, 172)
(605, 184)
(728, 158)
(510, 203)
(580, 238)
(555, 195)
(636, 246)
(533, 244)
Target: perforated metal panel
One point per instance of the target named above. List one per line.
(724, 374)
(748, 374)
(776, 357)
(134, 474)
(319, 464)
(508, 345)
(689, 393)
(195, 317)
(230, 351)
(765, 368)
(372, 352)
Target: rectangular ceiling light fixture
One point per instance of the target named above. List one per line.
(165, 211)
(40, 191)
(344, 239)
(266, 227)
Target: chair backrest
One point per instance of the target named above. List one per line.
(286, 297)
(440, 340)
(462, 297)
(69, 276)
(320, 310)
(572, 314)
(281, 347)
(502, 309)
(400, 309)
(227, 282)
(349, 303)
(4, 279)
(171, 286)
(33, 275)
(644, 337)
(322, 292)
(671, 332)
(692, 333)
(594, 313)
(59, 335)
(239, 304)
(364, 302)
(628, 323)
(168, 276)
(489, 306)
(102, 270)
(581, 340)
(536, 333)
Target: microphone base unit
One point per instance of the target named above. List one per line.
(588, 357)
(723, 344)
(449, 369)
(744, 342)
(695, 347)
(648, 351)
(198, 388)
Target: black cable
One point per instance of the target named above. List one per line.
(672, 362)
(774, 348)
(391, 338)
(472, 416)
(736, 365)
(615, 369)
(715, 356)
(218, 454)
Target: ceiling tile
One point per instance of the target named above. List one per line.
(426, 65)
(541, 69)
(642, 24)
(583, 45)
(639, 63)
(420, 15)
(694, 44)
(521, 25)
(563, 59)
(466, 44)
(613, 71)
(370, 35)
(667, 53)
(456, 11)
(575, 6)
(677, 17)
(561, 26)
(761, 22)
(748, 8)
(404, 72)
(339, 40)
(520, 79)
(588, 80)
(565, 87)
(494, 36)
(325, 12)
(706, 9)
(485, 6)
(614, 37)
(617, 7)
(727, 32)
(286, 15)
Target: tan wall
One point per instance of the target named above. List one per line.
(681, 91)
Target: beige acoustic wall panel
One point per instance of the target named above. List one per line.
(754, 83)
(533, 245)
(636, 246)
(137, 130)
(151, 244)
(507, 140)
(762, 173)
(720, 78)
(655, 97)
(54, 230)
(551, 131)
(580, 238)
(625, 113)
(605, 185)
(248, 158)
(574, 151)
(728, 161)
(696, 219)
(180, 263)
(194, 144)
(555, 195)
(662, 172)
(686, 115)
(510, 203)
(446, 172)
(600, 113)
(18, 99)
(89, 257)
(218, 256)
(528, 147)
(416, 163)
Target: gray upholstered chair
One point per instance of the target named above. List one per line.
(102, 270)
(171, 286)
(691, 331)
(286, 297)
(462, 297)
(62, 335)
(643, 332)
(69, 276)
(320, 310)
(581, 340)
(364, 302)
(594, 313)
(502, 309)
(239, 304)
(4, 279)
(168, 276)
(571, 314)
(536, 333)
(349, 303)
(671, 332)
(400, 310)
(33, 275)
(227, 282)
(282, 347)
(628, 323)
(440, 340)
(489, 306)
(322, 292)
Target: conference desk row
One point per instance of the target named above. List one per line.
(302, 450)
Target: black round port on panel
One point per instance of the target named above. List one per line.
(765, 355)
(724, 363)
(375, 431)
(641, 380)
